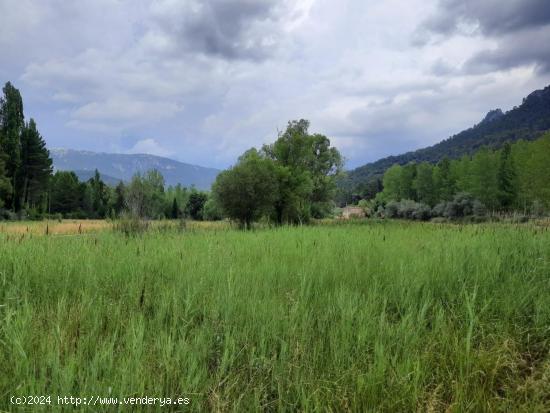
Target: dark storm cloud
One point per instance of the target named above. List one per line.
(521, 29)
(492, 17)
(230, 29)
(521, 49)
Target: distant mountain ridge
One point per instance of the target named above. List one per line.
(527, 121)
(114, 167)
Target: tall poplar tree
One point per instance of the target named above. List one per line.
(507, 188)
(12, 122)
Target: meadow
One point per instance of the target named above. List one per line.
(361, 316)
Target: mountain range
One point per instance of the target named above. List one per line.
(115, 167)
(527, 121)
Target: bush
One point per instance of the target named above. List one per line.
(131, 225)
(422, 212)
(34, 215)
(478, 209)
(366, 206)
(537, 209)
(392, 209)
(408, 209)
(439, 210)
(460, 206)
(6, 215)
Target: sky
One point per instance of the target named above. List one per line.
(201, 81)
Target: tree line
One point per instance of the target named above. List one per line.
(514, 178)
(145, 196)
(25, 163)
(30, 189)
(289, 181)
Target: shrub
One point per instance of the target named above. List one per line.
(392, 209)
(130, 225)
(33, 214)
(366, 206)
(7, 215)
(408, 209)
(461, 206)
(439, 210)
(478, 209)
(422, 212)
(537, 209)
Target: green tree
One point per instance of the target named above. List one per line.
(249, 189)
(392, 183)
(36, 167)
(175, 213)
(145, 196)
(66, 192)
(12, 122)
(308, 168)
(483, 175)
(180, 194)
(212, 211)
(533, 171)
(445, 183)
(5, 185)
(507, 178)
(408, 176)
(99, 196)
(117, 200)
(424, 184)
(195, 205)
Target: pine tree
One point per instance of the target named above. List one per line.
(35, 169)
(119, 202)
(175, 209)
(98, 195)
(11, 126)
(67, 192)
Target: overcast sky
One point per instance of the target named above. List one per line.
(203, 80)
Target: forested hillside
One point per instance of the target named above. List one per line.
(527, 121)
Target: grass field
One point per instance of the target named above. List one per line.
(374, 316)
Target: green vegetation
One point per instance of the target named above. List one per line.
(512, 179)
(390, 316)
(525, 122)
(289, 181)
(25, 164)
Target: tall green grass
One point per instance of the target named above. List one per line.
(389, 316)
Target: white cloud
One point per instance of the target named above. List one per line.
(151, 147)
